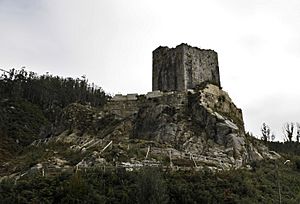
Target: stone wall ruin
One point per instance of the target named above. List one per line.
(184, 67)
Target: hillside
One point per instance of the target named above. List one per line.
(65, 141)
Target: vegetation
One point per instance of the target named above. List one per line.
(30, 103)
(290, 130)
(265, 130)
(50, 93)
(259, 185)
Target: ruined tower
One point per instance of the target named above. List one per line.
(183, 67)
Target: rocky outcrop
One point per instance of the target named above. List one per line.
(199, 128)
(208, 125)
(193, 129)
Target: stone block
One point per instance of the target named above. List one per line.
(132, 96)
(119, 97)
(154, 94)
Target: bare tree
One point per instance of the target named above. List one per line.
(298, 132)
(273, 137)
(265, 130)
(288, 130)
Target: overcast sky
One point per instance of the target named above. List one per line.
(111, 42)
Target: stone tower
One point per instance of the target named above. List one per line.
(183, 67)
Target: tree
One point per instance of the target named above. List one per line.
(298, 132)
(151, 187)
(50, 93)
(288, 130)
(265, 130)
(273, 137)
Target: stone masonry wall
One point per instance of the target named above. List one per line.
(126, 105)
(183, 67)
(200, 66)
(168, 73)
(212, 97)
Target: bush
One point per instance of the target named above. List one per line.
(297, 163)
(151, 188)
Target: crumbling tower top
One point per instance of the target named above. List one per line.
(183, 67)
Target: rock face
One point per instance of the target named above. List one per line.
(202, 126)
(188, 130)
(183, 67)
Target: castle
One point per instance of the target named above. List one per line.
(186, 112)
(176, 72)
(183, 67)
